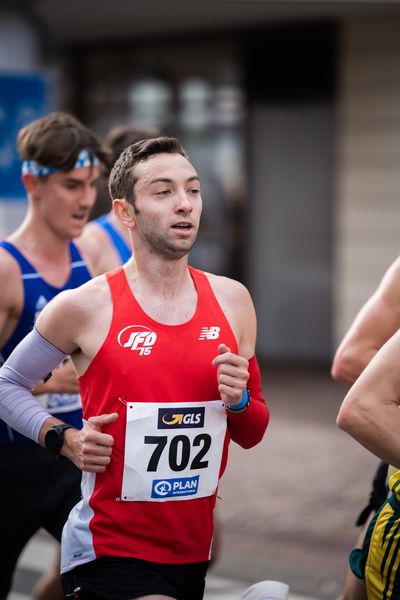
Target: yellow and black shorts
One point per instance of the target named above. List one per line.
(378, 561)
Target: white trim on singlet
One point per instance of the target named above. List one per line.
(74, 265)
(77, 541)
(78, 263)
(31, 276)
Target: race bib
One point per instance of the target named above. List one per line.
(172, 451)
(59, 403)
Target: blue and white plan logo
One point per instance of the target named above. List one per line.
(170, 488)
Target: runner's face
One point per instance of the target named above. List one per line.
(167, 205)
(64, 200)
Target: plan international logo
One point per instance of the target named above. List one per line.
(170, 488)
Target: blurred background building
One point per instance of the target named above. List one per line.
(290, 111)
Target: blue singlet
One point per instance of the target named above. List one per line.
(124, 252)
(37, 293)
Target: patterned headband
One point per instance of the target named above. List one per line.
(83, 160)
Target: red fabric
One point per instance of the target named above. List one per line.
(178, 369)
(247, 428)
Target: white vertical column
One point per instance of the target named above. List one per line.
(367, 208)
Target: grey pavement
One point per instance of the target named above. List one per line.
(286, 508)
(40, 552)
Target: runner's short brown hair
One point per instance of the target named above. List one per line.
(123, 178)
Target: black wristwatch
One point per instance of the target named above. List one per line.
(54, 438)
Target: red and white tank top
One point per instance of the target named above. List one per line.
(156, 498)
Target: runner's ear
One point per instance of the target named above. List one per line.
(124, 211)
(30, 183)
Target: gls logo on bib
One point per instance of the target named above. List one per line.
(137, 337)
(178, 418)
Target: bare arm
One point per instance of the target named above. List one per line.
(62, 325)
(11, 297)
(370, 411)
(11, 306)
(376, 322)
(58, 331)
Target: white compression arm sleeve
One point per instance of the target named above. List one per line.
(31, 361)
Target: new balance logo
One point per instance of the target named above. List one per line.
(209, 333)
(137, 337)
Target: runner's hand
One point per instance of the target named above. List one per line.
(232, 375)
(90, 449)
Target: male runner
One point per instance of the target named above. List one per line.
(167, 375)
(375, 323)
(38, 261)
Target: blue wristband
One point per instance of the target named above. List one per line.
(243, 404)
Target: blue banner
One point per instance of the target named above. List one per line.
(23, 98)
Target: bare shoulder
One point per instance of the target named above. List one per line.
(8, 265)
(96, 249)
(237, 305)
(90, 242)
(11, 273)
(11, 296)
(92, 232)
(229, 289)
(81, 300)
(71, 313)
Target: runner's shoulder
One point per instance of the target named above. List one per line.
(78, 303)
(11, 294)
(9, 266)
(227, 288)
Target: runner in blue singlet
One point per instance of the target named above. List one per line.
(104, 239)
(61, 160)
(119, 243)
(37, 293)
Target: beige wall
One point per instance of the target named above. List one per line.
(367, 210)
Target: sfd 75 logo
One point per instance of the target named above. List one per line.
(138, 338)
